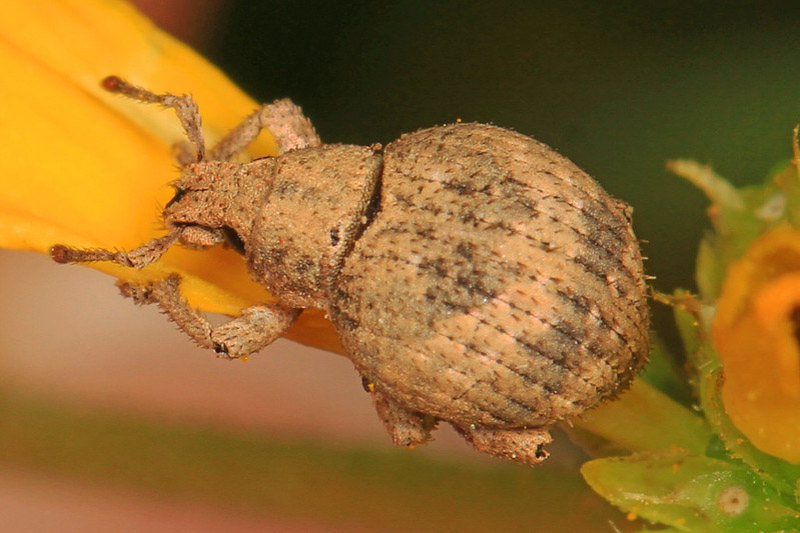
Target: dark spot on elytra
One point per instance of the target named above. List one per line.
(425, 233)
(593, 266)
(605, 219)
(465, 250)
(474, 283)
(334, 237)
(284, 188)
(453, 307)
(460, 188)
(580, 303)
(438, 265)
(553, 387)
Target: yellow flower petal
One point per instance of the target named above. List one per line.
(756, 334)
(86, 168)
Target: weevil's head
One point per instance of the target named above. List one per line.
(212, 202)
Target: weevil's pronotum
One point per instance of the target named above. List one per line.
(474, 275)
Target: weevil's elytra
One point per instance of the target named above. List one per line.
(474, 275)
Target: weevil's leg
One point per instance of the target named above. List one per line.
(184, 106)
(523, 445)
(255, 328)
(406, 428)
(286, 122)
(140, 257)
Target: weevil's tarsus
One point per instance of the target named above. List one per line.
(185, 108)
(64, 254)
(290, 128)
(406, 428)
(255, 328)
(525, 445)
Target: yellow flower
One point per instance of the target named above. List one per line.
(756, 332)
(86, 168)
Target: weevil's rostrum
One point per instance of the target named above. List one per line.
(475, 276)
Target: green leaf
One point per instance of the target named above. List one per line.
(691, 493)
(644, 418)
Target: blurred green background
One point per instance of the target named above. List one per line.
(618, 87)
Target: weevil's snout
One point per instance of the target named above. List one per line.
(198, 228)
(199, 206)
(207, 208)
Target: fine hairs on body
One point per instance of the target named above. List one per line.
(474, 275)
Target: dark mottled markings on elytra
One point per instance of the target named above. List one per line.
(442, 227)
(473, 274)
(599, 267)
(514, 192)
(447, 305)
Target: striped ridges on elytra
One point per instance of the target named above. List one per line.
(474, 275)
(499, 288)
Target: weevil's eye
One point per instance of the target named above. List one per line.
(233, 240)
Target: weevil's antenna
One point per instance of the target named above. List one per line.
(185, 108)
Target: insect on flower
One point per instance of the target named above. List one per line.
(474, 275)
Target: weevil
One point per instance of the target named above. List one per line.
(474, 275)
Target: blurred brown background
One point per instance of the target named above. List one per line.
(618, 88)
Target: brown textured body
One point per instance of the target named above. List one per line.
(474, 275)
(498, 285)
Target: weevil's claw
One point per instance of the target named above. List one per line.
(111, 83)
(65, 254)
(60, 253)
(220, 349)
(140, 294)
(145, 293)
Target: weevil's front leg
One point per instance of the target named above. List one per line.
(255, 328)
(185, 108)
(140, 257)
(286, 122)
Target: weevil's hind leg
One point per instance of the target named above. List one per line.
(406, 428)
(286, 122)
(522, 445)
(255, 328)
(185, 108)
